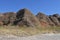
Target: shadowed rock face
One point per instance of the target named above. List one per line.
(25, 17)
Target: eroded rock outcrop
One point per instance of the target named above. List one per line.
(54, 20)
(25, 17)
(8, 18)
(44, 19)
(57, 16)
(1, 19)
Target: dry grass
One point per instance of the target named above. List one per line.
(26, 31)
(19, 31)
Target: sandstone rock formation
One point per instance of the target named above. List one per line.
(7, 18)
(25, 17)
(1, 18)
(54, 20)
(44, 19)
(57, 16)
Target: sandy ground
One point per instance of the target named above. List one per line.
(35, 37)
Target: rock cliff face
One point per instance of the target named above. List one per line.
(25, 18)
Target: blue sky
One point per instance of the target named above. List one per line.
(46, 6)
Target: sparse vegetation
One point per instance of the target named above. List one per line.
(27, 31)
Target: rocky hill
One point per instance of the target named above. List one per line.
(25, 18)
